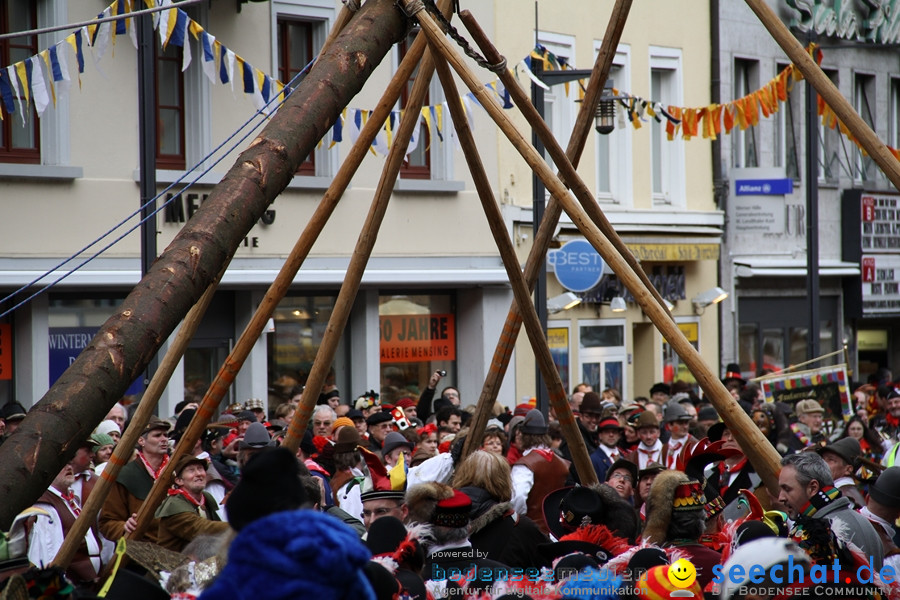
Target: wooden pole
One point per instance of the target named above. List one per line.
(125, 447)
(761, 454)
(235, 360)
(583, 126)
(867, 138)
(361, 253)
(558, 400)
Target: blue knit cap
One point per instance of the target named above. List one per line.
(294, 554)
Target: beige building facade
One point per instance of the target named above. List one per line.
(435, 294)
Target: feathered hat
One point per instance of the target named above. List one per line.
(693, 462)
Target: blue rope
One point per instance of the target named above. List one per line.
(289, 90)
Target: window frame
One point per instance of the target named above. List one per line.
(864, 168)
(745, 145)
(177, 161)
(783, 149)
(8, 153)
(619, 153)
(288, 72)
(671, 160)
(320, 14)
(407, 169)
(829, 139)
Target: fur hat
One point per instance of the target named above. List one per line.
(671, 490)
(422, 500)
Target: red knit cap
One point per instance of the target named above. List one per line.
(405, 403)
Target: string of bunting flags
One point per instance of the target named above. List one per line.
(43, 77)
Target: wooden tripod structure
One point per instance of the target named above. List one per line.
(579, 204)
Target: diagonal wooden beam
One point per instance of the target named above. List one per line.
(558, 400)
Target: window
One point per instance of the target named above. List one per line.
(894, 133)
(614, 166)
(417, 164)
(864, 103)
(786, 135)
(667, 158)
(295, 50)
(170, 120)
(744, 146)
(829, 145)
(559, 104)
(18, 143)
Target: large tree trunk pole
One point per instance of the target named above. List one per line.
(583, 126)
(824, 86)
(125, 447)
(361, 253)
(558, 400)
(761, 453)
(236, 358)
(119, 353)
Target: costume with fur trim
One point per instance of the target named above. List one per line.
(506, 536)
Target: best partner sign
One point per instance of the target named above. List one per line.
(417, 338)
(577, 265)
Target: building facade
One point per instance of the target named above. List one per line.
(435, 293)
(765, 321)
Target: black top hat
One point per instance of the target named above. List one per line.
(714, 433)
(733, 373)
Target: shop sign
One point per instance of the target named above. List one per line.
(417, 338)
(577, 265)
(764, 187)
(880, 223)
(880, 284)
(6, 352)
(66, 343)
(674, 252)
(877, 22)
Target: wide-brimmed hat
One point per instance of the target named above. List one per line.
(886, 489)
(646, 419)
(847, 448)
(806, 407)
(591, 403)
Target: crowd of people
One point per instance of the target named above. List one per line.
(386, 501)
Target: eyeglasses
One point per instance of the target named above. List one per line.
(622, 476)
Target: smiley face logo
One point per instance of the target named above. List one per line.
(682, 573)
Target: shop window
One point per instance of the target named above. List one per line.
(674, 369)
(417, 337)
(73, 323)
(601, 354)
(19, 143)
(558, 340)
(300, 324)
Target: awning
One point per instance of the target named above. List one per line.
(761, 267)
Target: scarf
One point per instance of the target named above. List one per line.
(823, 498)
(69, 497)
(798, 433)
(184, 494)
(725, 473)
(154, 473)
(891, 420)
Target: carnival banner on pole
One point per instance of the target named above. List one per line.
(826, 385)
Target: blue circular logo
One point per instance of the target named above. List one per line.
(577, 265)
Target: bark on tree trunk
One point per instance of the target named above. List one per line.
(78, 401)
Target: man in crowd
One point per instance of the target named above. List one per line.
(538, 472)
(48, 529)
(588, 419)
(808, 492)
(323, 418)
(678, 421)
(119, 514)
(188, 511)
(118, 415)
(842, 457)
(882, 509)
(808, 429)
(650, 449)
(449, 420)
(379, 425)
(383, 503)
(11, 415)
(608, 452)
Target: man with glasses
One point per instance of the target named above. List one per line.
(621, 477)
(589, 418)
(381, 503)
